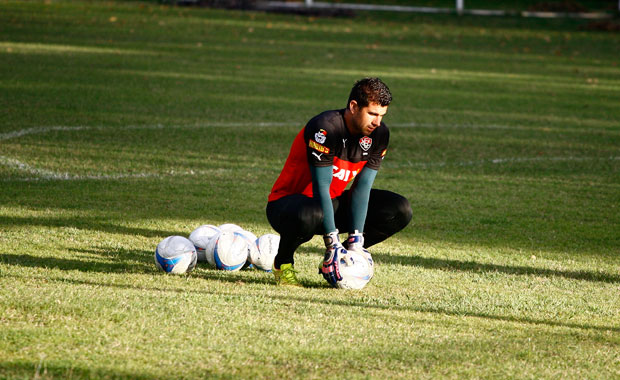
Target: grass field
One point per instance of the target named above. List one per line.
(124, 123)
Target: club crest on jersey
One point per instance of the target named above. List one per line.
(318, 147)
(365, 143)
(320, 136)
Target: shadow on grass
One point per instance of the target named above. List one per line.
(121, 260)
(238, 277)
(348, 302)
(125, 261)
(475, 267)
(36, 369)
(114, 212)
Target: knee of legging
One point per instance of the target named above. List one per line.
(403, 211)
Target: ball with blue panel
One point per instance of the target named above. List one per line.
(176, 255)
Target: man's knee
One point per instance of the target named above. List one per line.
(404, 213)
(389, 212)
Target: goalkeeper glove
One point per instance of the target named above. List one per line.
(355, 242)
(334, 251)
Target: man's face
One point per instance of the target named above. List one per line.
(364, 120)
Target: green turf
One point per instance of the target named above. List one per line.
(124, 123)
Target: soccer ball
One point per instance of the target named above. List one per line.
(251, 239)
(175, 254)
(230, 227)
(266, 253)
(200, 237)
(211, 247)
(356, 269)
(230, 250)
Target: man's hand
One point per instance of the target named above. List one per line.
(355, 243)
(334, 251)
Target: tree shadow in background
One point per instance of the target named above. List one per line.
(475, 267)
(86, 223)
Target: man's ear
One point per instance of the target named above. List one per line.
(353, 106)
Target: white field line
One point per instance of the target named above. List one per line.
(36, 130)
(450, 126)
(45, 174)
(401, 8)
(25, 168)
(500, 161)
(39, 130)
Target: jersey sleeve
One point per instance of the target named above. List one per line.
(320, 140)
(380, 149)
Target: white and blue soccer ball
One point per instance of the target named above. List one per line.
(200, 237)
(175, 254)
(230, 227)
(265, 255)
(356, 269)
(210, 248)
(250, 239)
(230, 250)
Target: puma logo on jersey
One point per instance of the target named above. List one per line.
(317, 155)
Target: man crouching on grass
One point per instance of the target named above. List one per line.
(310, 196)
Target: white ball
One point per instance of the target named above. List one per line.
(230, 251)
(251, 239)
(230, 227)
(356, 270)
(175, 254)
(200, 237)
(267, 250)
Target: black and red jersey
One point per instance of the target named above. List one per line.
(326, 141)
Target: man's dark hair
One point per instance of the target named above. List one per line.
(370, 90)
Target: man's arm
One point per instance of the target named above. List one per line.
(330, 269)
(321, 180)
(360, 194)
